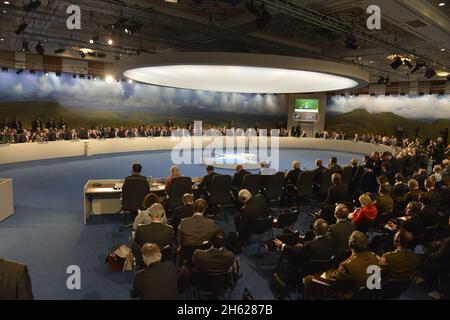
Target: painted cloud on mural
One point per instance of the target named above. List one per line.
(83, 93)
(414, 107)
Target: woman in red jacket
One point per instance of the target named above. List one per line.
(367, 213)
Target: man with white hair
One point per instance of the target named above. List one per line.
(158, 280)
(155, 232)
(265, 171)
(255, 207)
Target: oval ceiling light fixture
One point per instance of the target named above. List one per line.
(242, 73)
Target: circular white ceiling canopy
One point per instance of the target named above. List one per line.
(243, 73)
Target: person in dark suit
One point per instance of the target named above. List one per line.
(292, 176)
(413, 222)
(413, 192)
(195, 230)
(341, 231)
(428, 213)
(238, 177)
(403, 263)
(15, 282)
(349, 277)
(50, 124)
(215, 259)
(255, 207)
(154, 232)
(158, 280)
(36, 124)
(203, 186)
(136, 169)
(338, 192)
(399, 189)
(383, 200)
(318, 172)
(62, 124)
(265, 171)
(333, 166)
(320, 248)
(16, 124)
(435, 196)
(185, 211)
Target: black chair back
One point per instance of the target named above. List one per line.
(274, 188)
(262, 225)
(186, 252)
(392, 289)
(215, 284)
(347, 175)
(291, 238)
(305, 184)
(252, 182)
(133, 194)
(316, 266)
(220, 190)
(325, 182)
(178, 187)
(287, 219)
(327, 213)
(356, 179)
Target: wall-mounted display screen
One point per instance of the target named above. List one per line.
(307, 105)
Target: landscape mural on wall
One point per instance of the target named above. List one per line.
(84, 102)
(376, 114)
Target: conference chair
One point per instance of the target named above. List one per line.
(303, 189)
(178, 187)
(274, 189)
(133, 194)
(286, 219)
(260, 227)
(185, 254)
(252, 182)
(211, 286)
(220, 193)
(347, 175)
(393, 288)
(325, 182)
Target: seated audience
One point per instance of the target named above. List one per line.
(403, 263)
(143, 216)
(158, 280)
(366, 214)
(130, 182)
(341, 231)
(195, 230)
(265, 171)
(437, 174)
(15, 282)
(254, 208)
(412, 221)
(349, 277)
(338, 192)
(216, 259)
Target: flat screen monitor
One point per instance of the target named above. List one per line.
(307, 105)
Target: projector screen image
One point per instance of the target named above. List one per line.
(307, 105)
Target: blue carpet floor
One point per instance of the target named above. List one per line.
(47, 231)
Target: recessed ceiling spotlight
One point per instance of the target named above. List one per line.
(91, 41)
(371, 61)
(6, 2)
(443, 49)
(110, 42)
(4, 11)
(2, 39)
(441, 4)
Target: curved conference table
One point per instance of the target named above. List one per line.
(60, 149)
(103, 196)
